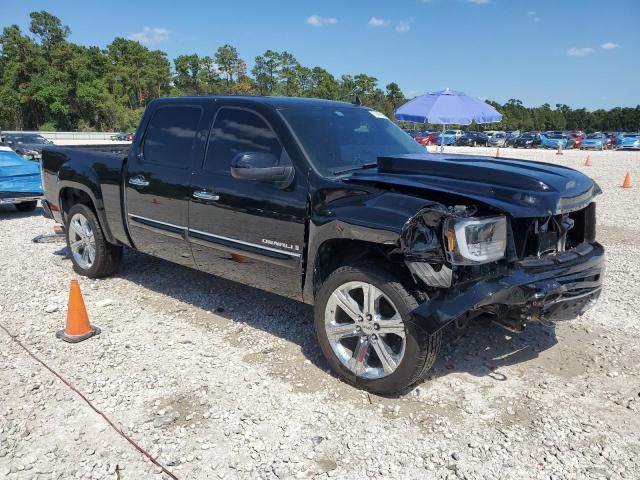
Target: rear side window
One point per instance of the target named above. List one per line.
(169, 136)
(239, 131)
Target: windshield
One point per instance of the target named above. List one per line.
(526, 137)
(30, 139)
(595, 135)
(341, 138)
(633, 135)
(500, 135)
(557, 137)
(450, 132)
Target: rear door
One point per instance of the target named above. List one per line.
(245, 230)
(157, 182)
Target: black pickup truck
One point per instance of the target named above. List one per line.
(333, 204)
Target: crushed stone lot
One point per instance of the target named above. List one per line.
(218, 380)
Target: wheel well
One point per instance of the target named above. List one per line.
(71, 196)
(334, 254)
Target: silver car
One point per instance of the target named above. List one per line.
(497, 140)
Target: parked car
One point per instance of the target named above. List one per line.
(472, 139)
(331, 203)
(512, 134)
(611, 139)
(497, 140)
(596, 141)
(527, 140)
(629, 141)
(558, 140)
(449, 137)
(577, 138)
(122, 137)
(28, 145)
(20, 183)
(511, 138)
(427, 138)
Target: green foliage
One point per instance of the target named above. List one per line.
(47, 82)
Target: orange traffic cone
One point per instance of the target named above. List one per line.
(498, 153)
(78, 327)
(587, 162)
(627, 181)
(559, 152)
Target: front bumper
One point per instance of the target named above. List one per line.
(561, 287)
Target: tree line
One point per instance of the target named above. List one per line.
(50, 83)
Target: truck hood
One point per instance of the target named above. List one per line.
(519, 187)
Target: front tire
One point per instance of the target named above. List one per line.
(92, 256)
(361, 322)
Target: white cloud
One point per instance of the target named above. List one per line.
(403, 26)
(479, 2)
(609, 46)
(533, 16)
(318, 21)
(378, 22)
(580, 52)
(151, 35)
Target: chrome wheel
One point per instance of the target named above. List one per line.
(365, 330)
(81, 241)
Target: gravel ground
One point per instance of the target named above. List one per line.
(218, 380)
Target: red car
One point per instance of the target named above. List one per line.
(427, 138)
(579, 136)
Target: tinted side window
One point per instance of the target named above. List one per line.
(169, 136)
(238, 131)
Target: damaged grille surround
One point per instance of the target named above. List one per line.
(552, 269)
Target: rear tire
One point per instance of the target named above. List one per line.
(92, 256)
(412, 349)
(26, 206)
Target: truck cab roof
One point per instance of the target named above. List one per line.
(274, 102)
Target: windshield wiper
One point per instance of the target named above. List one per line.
(355, 167)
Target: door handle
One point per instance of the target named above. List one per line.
(139, 181)
(204, 195)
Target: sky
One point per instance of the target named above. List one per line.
(583, 53)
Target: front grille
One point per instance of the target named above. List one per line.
(539, 237)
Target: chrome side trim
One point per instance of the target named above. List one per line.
(248, 244)
(163, 228)
(133, 216)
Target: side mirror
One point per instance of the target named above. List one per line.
(261, 167)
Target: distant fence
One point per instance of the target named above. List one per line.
(73, 138)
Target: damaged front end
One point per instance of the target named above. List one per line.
(470, 263)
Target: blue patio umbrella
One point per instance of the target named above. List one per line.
(447, 107)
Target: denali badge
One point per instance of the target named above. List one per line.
(275, 243)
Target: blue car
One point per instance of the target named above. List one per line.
(595, 141)
(449, 136)
(628, 141)
(20, 181)
(558, 140)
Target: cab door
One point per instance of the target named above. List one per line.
(247, 230)
(157, 182)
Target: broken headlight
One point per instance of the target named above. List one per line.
(475, 240)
